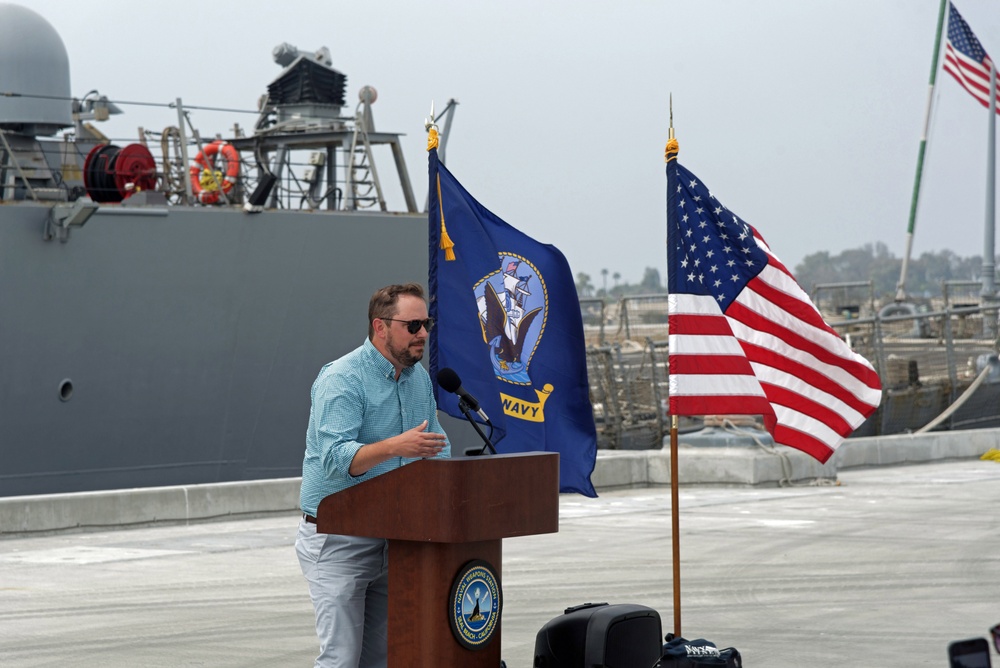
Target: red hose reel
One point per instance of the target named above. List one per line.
(111, 174)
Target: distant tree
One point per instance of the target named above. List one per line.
(969, 268)
(816, 268)
(857, 261)
(604, 276)
(583, 286)
(617, 278)
(651, 280)
(926, 274)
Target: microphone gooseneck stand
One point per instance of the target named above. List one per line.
(463, 405)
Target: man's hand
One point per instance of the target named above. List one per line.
(418, 442)
(413, 444)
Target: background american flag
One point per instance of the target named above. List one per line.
(966, 59)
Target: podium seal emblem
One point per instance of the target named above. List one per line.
(474, 605)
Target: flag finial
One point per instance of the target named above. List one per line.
(673, 147)
(671, 136)
(432, 130)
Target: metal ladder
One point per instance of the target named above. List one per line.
(363, 188)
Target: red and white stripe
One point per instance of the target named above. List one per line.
(769, 354)
(972, 75)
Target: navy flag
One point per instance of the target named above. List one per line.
(509, 324)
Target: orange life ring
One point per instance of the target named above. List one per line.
(206, 180)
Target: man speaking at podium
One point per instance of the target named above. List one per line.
(373, 410)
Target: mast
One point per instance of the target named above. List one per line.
(989, 290)
(901, 286)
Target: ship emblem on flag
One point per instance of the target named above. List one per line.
(512, 309)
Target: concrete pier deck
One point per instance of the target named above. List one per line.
(875, 566)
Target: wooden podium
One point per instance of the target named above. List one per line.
(439, 514)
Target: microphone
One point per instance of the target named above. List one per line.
(450, 382)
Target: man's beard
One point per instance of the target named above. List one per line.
(403, 355)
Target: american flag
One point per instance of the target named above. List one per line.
(966, 59)
(745, 338)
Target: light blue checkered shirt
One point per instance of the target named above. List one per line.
(355, 401)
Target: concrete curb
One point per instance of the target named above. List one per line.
(741, 465)
(755, 465)
(152, 505)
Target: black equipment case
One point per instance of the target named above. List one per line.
(598, 635)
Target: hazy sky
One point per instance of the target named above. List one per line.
(803, 117)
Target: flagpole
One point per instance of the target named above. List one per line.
(675, 525)
(675, 518)
(989, 291)
(901, 286)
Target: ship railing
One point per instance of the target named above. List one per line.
(849, 299)
(627, 368)
(628, 390)
(627, 322)
(925, 361)
(594, 313)
(961, 293)
(308, 166)
(642, 317)
(307, 173)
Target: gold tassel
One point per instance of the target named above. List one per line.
(673, 148)
(447, 245)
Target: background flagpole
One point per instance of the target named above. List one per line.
(989, 291)
(901, 286)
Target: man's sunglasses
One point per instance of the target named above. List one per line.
(413, 326)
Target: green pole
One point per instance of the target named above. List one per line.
(901, 286)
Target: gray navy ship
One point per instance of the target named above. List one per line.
(166, 304)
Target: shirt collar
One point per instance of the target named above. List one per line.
(383, 366)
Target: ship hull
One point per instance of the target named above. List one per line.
(177, 345)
